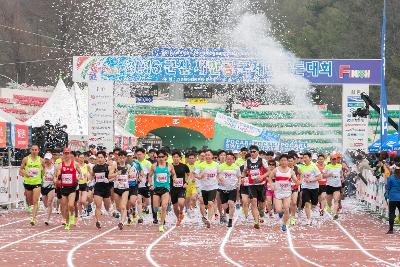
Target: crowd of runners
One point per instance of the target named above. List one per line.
(127, 186)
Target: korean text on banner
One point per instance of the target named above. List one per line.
(101, 114)
(21, 136)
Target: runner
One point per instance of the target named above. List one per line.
(322, 184)
(282, 187)
(334, 175)
(178, 186)
(161, 173)
(295, 190)
(68, 170)
(122, 188)
(191, 191)
(309, 175)
(229, 180)
(48, 186)
(256, 169)
(144, 194)
(31, 169)
(269, 189)
(244, 191)
(135, 177)
(102, 174)
(207, 173)
(90, 184)
(221, 159)
(83, 186)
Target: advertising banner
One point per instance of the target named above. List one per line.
(237, 144)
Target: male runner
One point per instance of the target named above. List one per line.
(322, 184)
(229, 180)
(48, 186)
(83, 187)
(295, 190)
(31, 169)
(178, 185)
(334, 175)
(191, 191)
(144, 193)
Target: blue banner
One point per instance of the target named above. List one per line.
(237, 144)
(220, 70)
(383, 98)
(144, 99)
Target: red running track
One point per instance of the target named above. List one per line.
(356, 239)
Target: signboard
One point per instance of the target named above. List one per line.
(237, 144)
(246, 128)
(144, 99)
(199, 91)
(143, 90)
(20, 136)
(101, 114)
(355, 129)
(197, 101)
(220, 70)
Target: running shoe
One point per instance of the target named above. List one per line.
(121, 226)
(335, 217)
(389, 232)
(155, 221)
(98, 225)
(33, 222)
(397, 220)
(294, 221)
(140, 220)
(134, 218)
(230, 223)
(261, 219)
(117, 215)
(129, 220)
(161, 228)
(280, 215)
(46, 223)
(257, 226)
(284, 228)
(321, 212)
(180, 218)
(67, 227)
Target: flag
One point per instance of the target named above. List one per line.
(383, 98)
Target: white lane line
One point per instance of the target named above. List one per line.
(224, 241)
(363, 250)
(72, 251)
(26, 238)
(289, 237)
(152, 245)
(3, 225)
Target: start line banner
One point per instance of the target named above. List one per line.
(237, 144)
(220, 70)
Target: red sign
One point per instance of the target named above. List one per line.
(3, 134)
(21, 136)
(125, 143)
(250, 104)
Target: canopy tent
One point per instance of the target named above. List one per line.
(391, 143)
(71, 108)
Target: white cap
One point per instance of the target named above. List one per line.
(48, 156)
(235, 152)
(92, 157)
(129, 153)
(314, 156)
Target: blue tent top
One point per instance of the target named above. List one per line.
(391, 144)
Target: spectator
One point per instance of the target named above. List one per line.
(393, 194)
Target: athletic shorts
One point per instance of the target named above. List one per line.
(310, 195)
(119, 192)
(226, 195)
(67, 190)
(58, 192)
(103, 191)
(331, 189)
(208, 196)
(144, 192)
(177, 193)
(46, 190)
(321, 189)
(244, 190)
(257, 191)
(83, 187)
(30, 187)
(191, 190)
(133, 190)
(159, 191)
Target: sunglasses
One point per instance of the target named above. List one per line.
(253, 151)
(161, 156)
(271, 165)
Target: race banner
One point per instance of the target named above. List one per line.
(237, 144)
(246, 128)
(220, 70)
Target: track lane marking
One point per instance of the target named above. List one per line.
(152, 245)
(224, 241)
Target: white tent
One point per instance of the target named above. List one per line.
(70, 108)
(60, 108)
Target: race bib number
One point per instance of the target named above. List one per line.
(161, 177)
(33, 172)
(254, 173)
(121, 182)
(100, 177)
(66, 178)
(178, 182)
(48, 177)
(284, 186)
